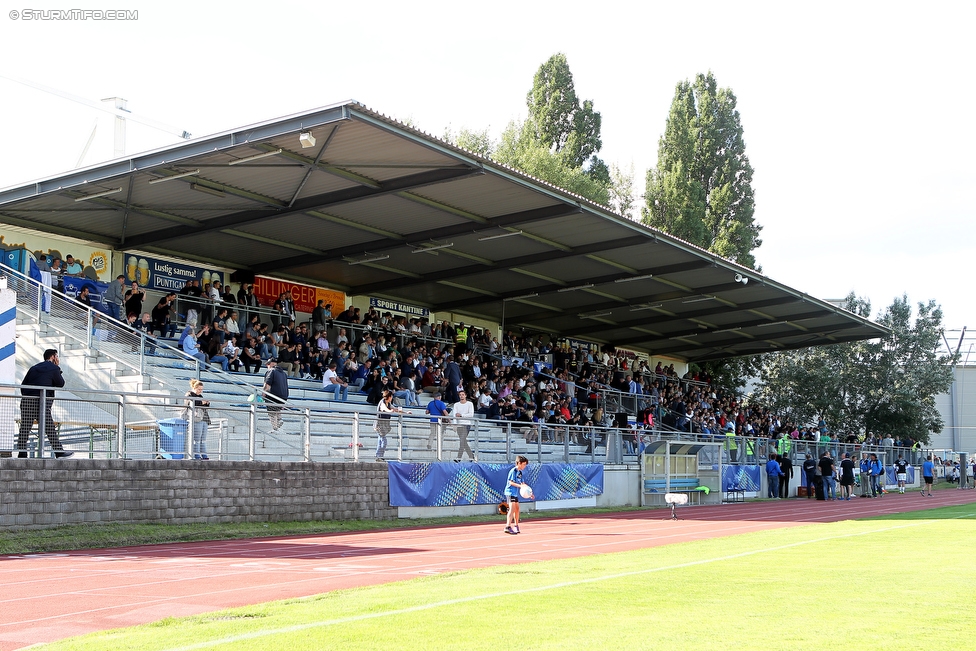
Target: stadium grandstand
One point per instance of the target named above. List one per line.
(340, 235)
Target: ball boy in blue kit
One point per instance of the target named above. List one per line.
(512, 487)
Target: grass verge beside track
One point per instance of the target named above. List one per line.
(103, 536)
(878, 581)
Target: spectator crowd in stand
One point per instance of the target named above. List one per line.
(374, 352)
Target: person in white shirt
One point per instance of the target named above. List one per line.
(463, 414)
(333, 383)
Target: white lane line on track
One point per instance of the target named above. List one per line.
(524, 591)
(467, 537)
(400, 571)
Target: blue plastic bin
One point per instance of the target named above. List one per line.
(172, 437)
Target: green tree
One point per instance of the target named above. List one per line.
(478, 142)
(519, 149)
(559, 140)
(561, 123)
(883, 386)
(621, 190)
(701, 189)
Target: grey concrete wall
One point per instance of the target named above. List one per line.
(49, 492)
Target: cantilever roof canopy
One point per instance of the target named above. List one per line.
(377, 208)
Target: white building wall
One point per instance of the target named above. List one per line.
(958, 409)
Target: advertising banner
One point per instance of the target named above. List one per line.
(306, 297)
(451, 484)
(72, 287)
(747, 478)
(382, 304)
(166, 275)
(94, 261)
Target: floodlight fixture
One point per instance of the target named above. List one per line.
(739, 278)
(523, 296)
(255, 157)
(173, 177)
(498, 237)
(208, 190)
(376, 258)
(307, 139)
(573, 289)
(432, 248)
(99, 194)
(632, 278)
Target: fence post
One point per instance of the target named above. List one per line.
(538, 444)
(40, 297)
(142, 354)
(91, 328)
(400, 437)
(252, 418)
(508, 442)
(188, 438)
(566, 444)
(355, 436)
(307, 435)
(477, 434)
(120, 443)
(440, 439)
(41, 422)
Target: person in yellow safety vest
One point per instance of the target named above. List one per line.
(751, 450)
(783, 445)
(461, 338)
(731, 446)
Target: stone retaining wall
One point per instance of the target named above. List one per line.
(48, 493)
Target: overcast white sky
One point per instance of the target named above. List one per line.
(857, 116)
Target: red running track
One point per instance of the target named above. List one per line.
(52, 596)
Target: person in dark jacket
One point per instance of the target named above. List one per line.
(452, 372)
(45, 374)
(276, 393)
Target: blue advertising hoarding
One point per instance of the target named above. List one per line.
(451, 484)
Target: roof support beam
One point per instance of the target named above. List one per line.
(739, 324)
(308, 172)
(696, 314)
(553, 287)
(536, 258)
(346, 195)
(768, 336)
(393, 241)
(657, 298)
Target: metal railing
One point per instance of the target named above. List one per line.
(131, 348)
(103, 424)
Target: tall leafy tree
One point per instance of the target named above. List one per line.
(559, 140)
(561, 122)
(701, 189)
(885, 386)
(621, 190)
(518, 148)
